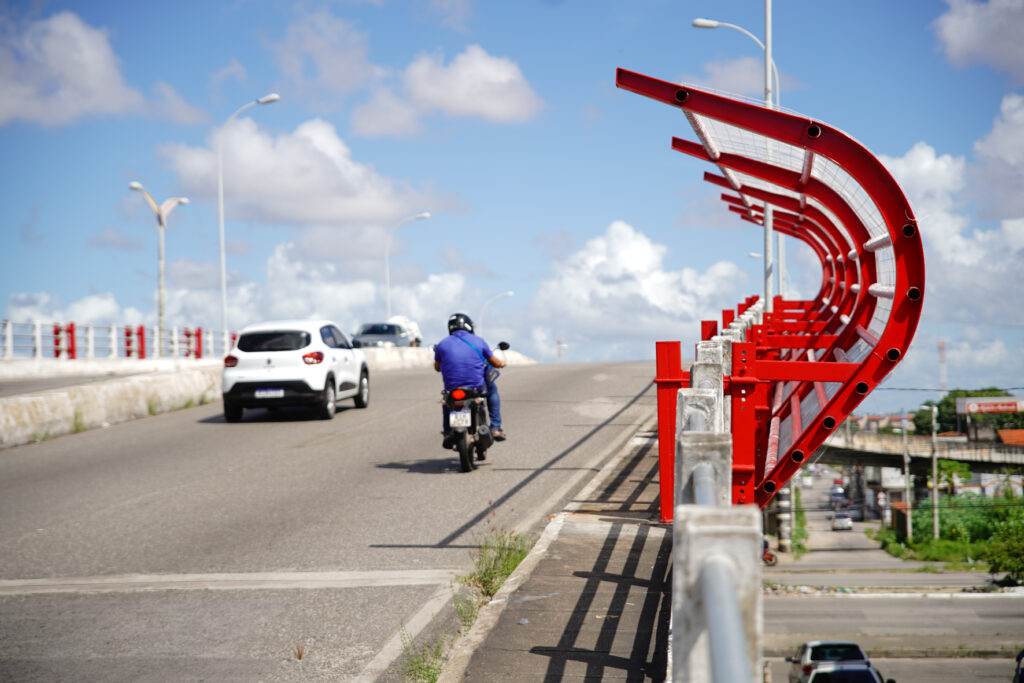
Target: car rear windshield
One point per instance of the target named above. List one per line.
(378, 328)
(853, 676)
(277, 340)
(836, 653)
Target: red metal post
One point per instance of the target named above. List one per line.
(56, 340)
(188, 342)
(670, 378)
(140, 336)
(708, 329)
(127, 342)
(199, 343)
(72, 346)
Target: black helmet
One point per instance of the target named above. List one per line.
(460, 321)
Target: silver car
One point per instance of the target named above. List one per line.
(384, 334)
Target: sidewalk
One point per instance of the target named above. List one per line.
(595, 603)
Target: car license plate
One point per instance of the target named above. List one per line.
(460, 418)
(269, 393)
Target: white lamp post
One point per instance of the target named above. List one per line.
(770, 70)
(480, 315)
(266, 99)
(935, 470)
(161, 211)
(387, 252)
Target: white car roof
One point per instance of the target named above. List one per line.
(305, 325)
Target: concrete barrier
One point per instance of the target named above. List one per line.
(139, 388)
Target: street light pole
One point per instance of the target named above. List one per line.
(387, 253)
(266, 99)
(161, 211)
(480, 315)
(770, 71)
(907, 493)
(935, 474)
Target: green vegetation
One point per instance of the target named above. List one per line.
(972, 528)
(799, 525)
(500, 553)
(947, 413)
(151, 406)
(77, 423)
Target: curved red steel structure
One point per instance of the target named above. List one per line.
(810, 363)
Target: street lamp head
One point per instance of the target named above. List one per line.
(267, 99)
(135, 185)
(183, 200)
(420, 216)
(705, 23)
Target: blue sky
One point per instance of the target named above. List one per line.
(502, 120)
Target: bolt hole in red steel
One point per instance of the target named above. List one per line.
(313, 358)
(681, 95)
(814, 131)
(797, 456)
(769, 487)
(914, 293)
(893, 355)
(829, 422)
(909, 230)
(862, 388)
(230, 362)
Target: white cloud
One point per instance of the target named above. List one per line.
(742, 76)
(94, 309)
(307, 177)
(59, 69)
(474, 84)
(324, 57)
(386, 115)
(168, 104)
(455, 13)
(986, 33)
(110, 238)
(614, 297)
(998, 175)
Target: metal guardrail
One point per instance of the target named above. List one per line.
(716, 574)
(65, 340)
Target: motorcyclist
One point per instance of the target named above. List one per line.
(463, 358)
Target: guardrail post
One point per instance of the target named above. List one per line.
(72, 347)
(174, 342)
(140, 338)
(717, 623)
(199, 344)
(113, 341)
(8, 340)
(669, 378)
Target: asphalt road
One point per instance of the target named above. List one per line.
(180, 547)
(917, 625)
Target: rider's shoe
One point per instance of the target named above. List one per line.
(449, 441)
(498, 434)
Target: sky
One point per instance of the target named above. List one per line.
(502, 121)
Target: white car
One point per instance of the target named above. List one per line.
(293, 362)
(841, 521)
(826, 654)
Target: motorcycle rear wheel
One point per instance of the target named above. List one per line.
(770, 559)
(465, 453)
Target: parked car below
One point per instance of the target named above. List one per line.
(841, 521)
(846, 673)
(823, 653)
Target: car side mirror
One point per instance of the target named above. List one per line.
(504, 346)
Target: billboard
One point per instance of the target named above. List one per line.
(978, 405)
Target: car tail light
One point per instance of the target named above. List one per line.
(458, 394)
(808, 668)
(313, 358)
(230, 362)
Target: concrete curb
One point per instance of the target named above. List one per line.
(487, 618)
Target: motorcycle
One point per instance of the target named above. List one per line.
(468, 421)
(469, 424)
(768, 557)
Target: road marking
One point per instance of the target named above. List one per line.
(130, 583)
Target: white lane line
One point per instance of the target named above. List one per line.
(130, 583)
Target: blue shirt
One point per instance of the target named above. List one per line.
(461, 366)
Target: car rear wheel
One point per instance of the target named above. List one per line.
(327, 402)
(362, 399)
(232, 412)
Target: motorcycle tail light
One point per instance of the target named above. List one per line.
(313, 358)
(458, 394)
(230, 362)
(457, 404)
(808, 668)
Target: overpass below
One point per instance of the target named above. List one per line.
(886, 450)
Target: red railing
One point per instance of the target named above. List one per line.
(803, 369)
